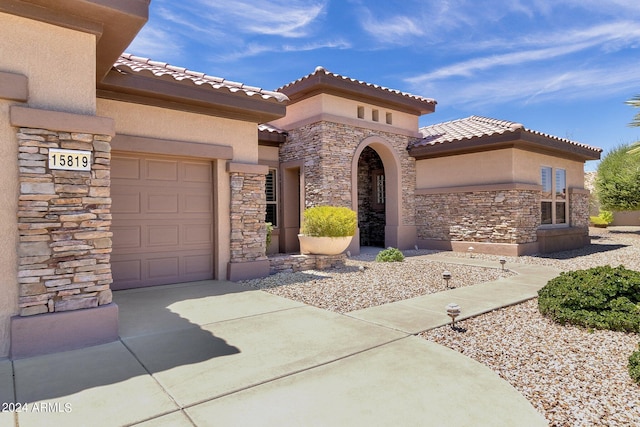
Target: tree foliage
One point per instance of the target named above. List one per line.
(618, 182)
(635, 102)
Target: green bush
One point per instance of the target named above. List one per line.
(329, 221)
(601, 297)
(634, 365)
(390, 255)
(269, 232)
(606, 216)
(596, 220)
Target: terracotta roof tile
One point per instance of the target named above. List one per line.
(477, 127)
(322, 71)
(136, 64)
(271, 129)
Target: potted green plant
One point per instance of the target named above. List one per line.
(327, 230)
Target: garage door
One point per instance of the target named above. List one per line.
(162, 220)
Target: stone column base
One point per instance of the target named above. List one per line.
(247, 270)
(61, 331)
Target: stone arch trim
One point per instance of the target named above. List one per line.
(393, 176)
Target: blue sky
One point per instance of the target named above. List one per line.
(564, 67)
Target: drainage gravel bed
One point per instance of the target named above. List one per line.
(573, 376)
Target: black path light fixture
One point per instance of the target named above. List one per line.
(446, 276)
(503, 261)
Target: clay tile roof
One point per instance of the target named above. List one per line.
(329, 78)
(478, 127)
(270, 129)
(136, 64)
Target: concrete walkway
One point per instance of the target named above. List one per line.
(215, 354)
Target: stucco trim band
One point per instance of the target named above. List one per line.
(247, 168)
(139, 144)
(505, 249)
(14, 87)
(477, 188)
(61, 331)
(358, 123)
(59, 121)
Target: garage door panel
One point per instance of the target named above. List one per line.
(198, 234)
(197, 172)
(165, 235)
(159, 203)
(125, 168)
(162, 222)
(162, 170)
(126, 237)
(197, 203)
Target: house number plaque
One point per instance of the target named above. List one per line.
(73, 160)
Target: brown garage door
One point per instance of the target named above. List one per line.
(162, 220)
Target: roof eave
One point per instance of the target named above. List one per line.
(517, 139)
(115, 23)
(185, 96)
(344, 87)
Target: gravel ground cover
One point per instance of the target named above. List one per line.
(349, 289)
(573, 376)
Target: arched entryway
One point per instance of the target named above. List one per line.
(371, 198)
(376, 174)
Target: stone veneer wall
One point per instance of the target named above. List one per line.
(64, 220)
(248, 210)
(579, 208)
(328, 148)
(292, 263)
(509, 216)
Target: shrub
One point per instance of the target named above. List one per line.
(390, 255)
(634, 365)
(269, 232)
(601, 297)
(606, 216)
(329, 221)
(596, 220)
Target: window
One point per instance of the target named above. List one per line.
(272, 198)
(389, 119)
(360, 112)
(375, 115)
(379, 197)
(554, 196)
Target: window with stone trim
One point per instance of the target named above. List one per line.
(272, 197)
(554, 203)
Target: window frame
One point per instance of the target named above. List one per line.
(552, 198)
(272, 172)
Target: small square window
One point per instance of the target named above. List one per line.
(360, 112)
(374, 115)
(389, 119)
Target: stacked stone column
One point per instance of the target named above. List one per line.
(64, 220)
(248, 207)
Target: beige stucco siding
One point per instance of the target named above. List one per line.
(489, 167)
(8, 227)
(59, 63)
(527, 165)
(155, 122)
(348, 110)
(268, 155)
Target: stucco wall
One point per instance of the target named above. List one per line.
(155, 122)
(59, 63)
(8, 227)
(493, 167)
(489, 167)
(347, 109)
(59, 79)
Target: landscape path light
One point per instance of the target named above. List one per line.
(453, 311)
(503, 261)
(470, 250)
(446, 275)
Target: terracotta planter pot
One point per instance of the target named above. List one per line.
(323, 245)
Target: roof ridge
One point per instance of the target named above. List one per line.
(320, 69)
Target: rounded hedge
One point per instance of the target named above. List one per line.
(634, 365)
(390, 255)
(600, 297)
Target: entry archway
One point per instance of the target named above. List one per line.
(391, 184)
